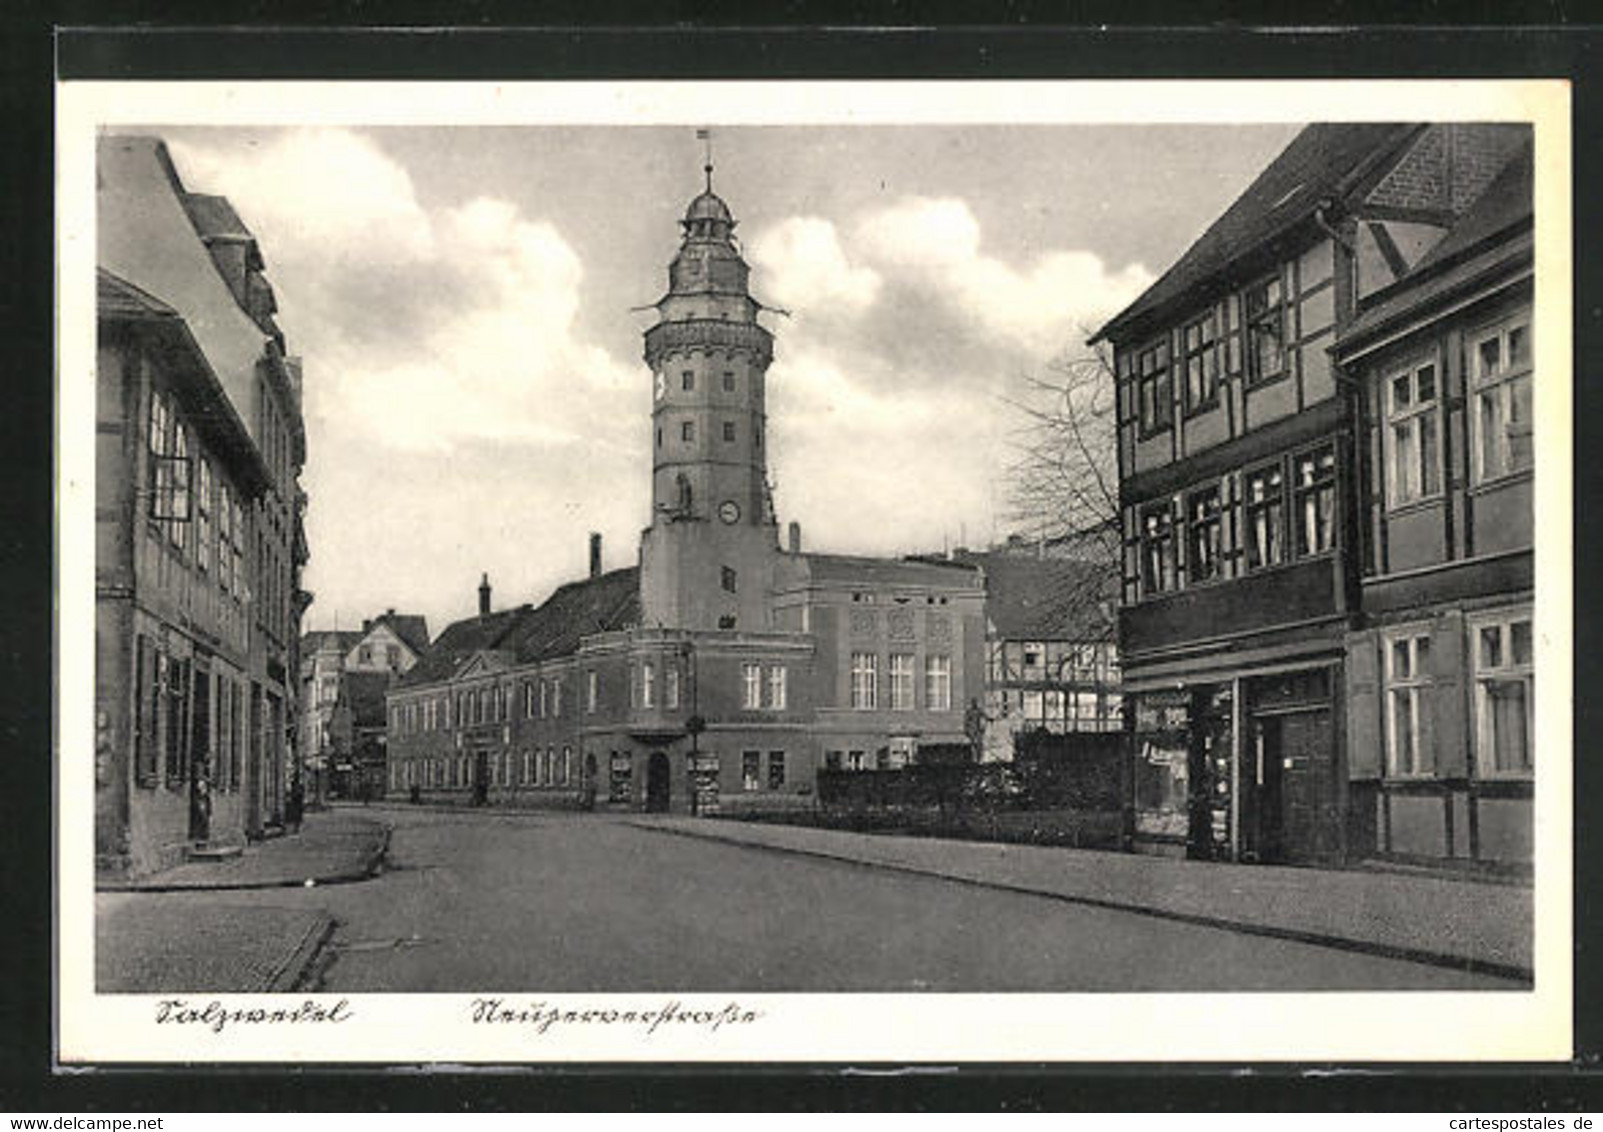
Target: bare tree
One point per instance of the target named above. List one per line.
(1063, 478)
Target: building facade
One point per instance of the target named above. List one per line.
(1440, 662)
(724, 670)
(1240, 491)
(199, 522)
(387, 645)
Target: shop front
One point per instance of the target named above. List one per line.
(1241, 769)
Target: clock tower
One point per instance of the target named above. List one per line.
(707, 559)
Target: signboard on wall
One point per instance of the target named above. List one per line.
(619, 781)
(704, 783)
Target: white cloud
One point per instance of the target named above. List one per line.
(804, 267)
(935, 245)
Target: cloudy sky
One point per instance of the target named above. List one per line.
(475, 398)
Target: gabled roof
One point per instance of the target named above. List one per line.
(1492, 235)
(116, 298)
(364, 692)
(460, 641)
(1030, 598)
(595, 605)
(845, 569)
(602, 604)
(413, 628)
(1325, 162)
(342, 640)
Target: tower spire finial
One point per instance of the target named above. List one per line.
(705, 136)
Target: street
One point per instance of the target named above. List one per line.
(587, 903)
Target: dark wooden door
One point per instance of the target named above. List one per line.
(481, 778)
(657, 782)
(1310, 830)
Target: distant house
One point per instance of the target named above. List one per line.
(1051, 649)
(356, 745)
(387, 645)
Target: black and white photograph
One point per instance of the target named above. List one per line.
(779, 570)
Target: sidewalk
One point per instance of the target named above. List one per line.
(1464, 924)
(331, 848)
(156, 934)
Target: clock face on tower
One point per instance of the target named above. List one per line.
(729, 511)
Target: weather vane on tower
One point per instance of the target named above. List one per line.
(705, 136)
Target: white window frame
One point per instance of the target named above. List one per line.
(1406, 468)
(592, 690)
(777, 687)
(751, 686)
(1410, 688)
(938, 682)
(1503, 621)
(1498, 385)
(648, 685)
(901, 673)
(670, 689)
(751, 770)
(865, 672)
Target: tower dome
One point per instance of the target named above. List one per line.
(709, 206)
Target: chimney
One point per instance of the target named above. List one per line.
(595, 554)
(795, 537)
(367, 623)
(390, 612)
(484, 596)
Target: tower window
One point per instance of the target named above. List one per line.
(659, 438)
(729, 431)
(688, 380)
(687, 431)
(729, 579)
(729, 381)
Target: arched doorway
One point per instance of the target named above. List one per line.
(657, 782)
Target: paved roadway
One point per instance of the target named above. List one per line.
(574, 903)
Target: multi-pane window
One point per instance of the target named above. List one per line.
(687, 380)
(1266, 331)
(545, 699)
(1500, 360)
(729, 381)
(687, 431)
(751, 770)
(938, 683)
(865, 694)
(729, 432)
(1263, 490)
(777, 687)
(556, 697)
(1504, 691)
(729, 579)
(751, 686)
(1202, 363)
(1202, 534)
(648, 685)
(169, 477)
(592, 690)
(1413, 424)
(203, 515)
(901, 681)
(670, 688)
(1410, 750)
(1157, 549)
(1155, 388)
(776, 770)
(1313, 490)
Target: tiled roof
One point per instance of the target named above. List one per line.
(849, 569)
(413, 628)
(1051, 599)
(115, 297)
(341, 639)
(459, 642)
(595, 605)
(1494, 233)
(575, 610)
(1324, 162)
(364, 691)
